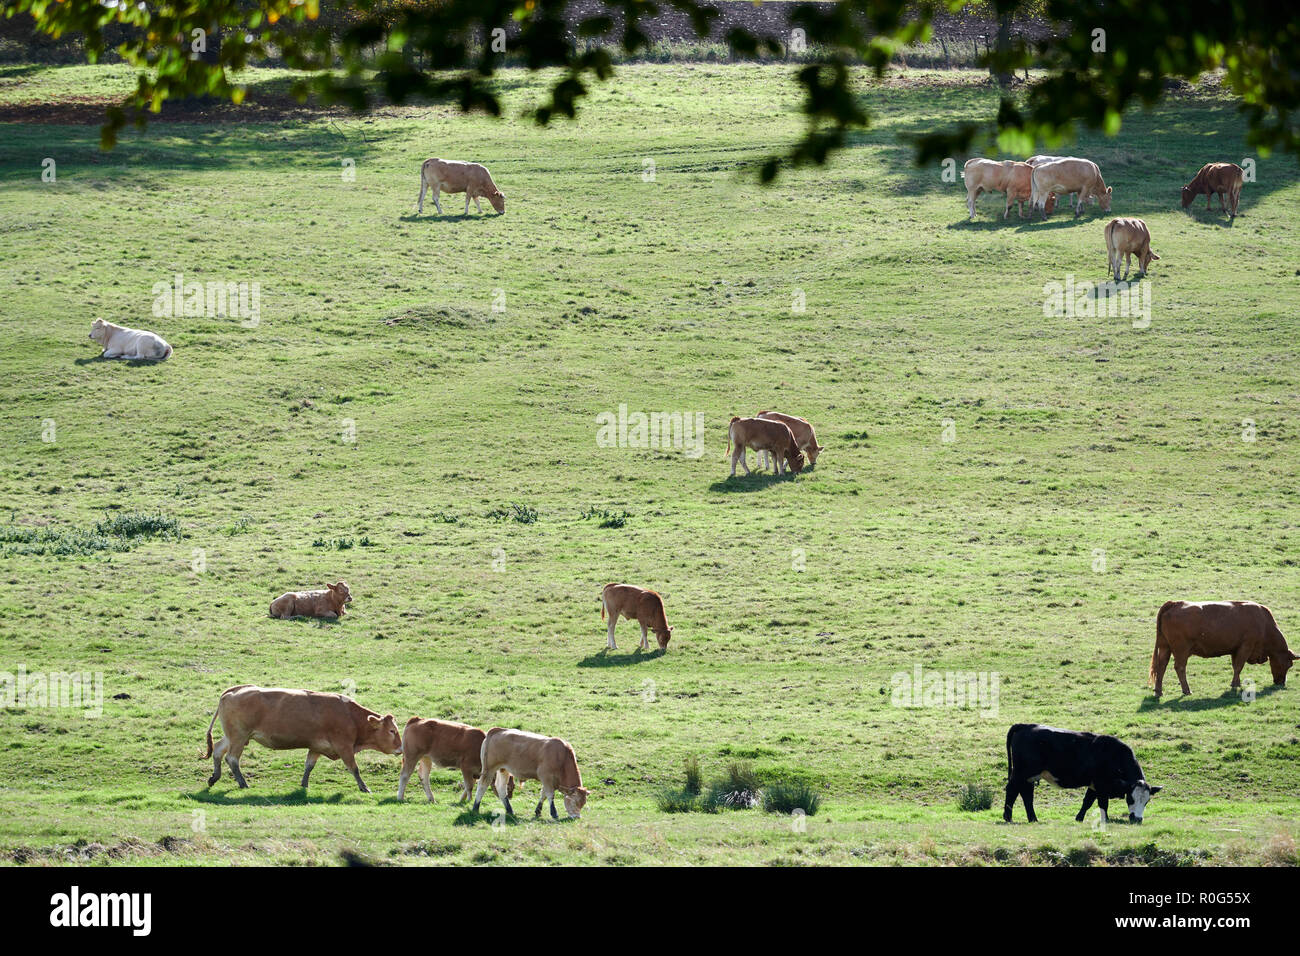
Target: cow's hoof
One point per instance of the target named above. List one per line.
(211, 781)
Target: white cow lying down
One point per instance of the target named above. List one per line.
(121, 342)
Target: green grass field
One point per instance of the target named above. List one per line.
(381, 415)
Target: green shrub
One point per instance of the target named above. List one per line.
(787, 797)
(737, 789)
(974, 796)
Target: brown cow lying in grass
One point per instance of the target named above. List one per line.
(454, 176)
(526, 756)
(636, 604)
(447, 744)
(325, 725)
(1243, 630)
(805, 436)
(1221, 179)
(326, 603)
(1128, 238)
(763, 434)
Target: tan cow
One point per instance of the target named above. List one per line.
(1222, 179)
(454, 176)
(533, 757)
(1242, 630)
(763, 434)
(1069, 175)
(1043, 158)
(805, 436)
(1128, 238)
(635, 604)
(325, 725)
(327, 603)
(1008, 176)
(119, 342)
(447, 744)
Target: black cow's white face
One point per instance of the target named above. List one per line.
(1138, 798)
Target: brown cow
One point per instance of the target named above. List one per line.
(1222, 179)
(549, 760)
(325, 725)
(1008, 176)
(1128, 238)
(447, 744)
(763, 434)
(636, 604)
(1069, 175)
(805, 436)
(326, 603)
(455, 176)
(1242, 630)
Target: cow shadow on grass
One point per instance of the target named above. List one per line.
(248, 798)
(449, 217)
(606, 659)
(1192, 703)
(756, 481)
(498, 816)
(130, 363)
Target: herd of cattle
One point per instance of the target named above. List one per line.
(334, 726)
(1040, 179)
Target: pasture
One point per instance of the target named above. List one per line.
(415, 411)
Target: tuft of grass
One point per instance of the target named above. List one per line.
(694, 777)
(608, 519)
(524, 514)
(784, 797)
(669, 800)
(974, 796)
(114, 533)
(737, 789)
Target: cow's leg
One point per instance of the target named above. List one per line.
(1103, 803)
(1027, 796)
(233, 753)
(970, 200)
(1238, 662)
(350, 761)
(478, 204)
(467, 202)
(1162, 661)
(613, 615)
(313, 756)
(218, 752)
(1180, 668)
(1128, 263)
(466, 784)
(645, 644)
(423, 186)
(1013, 790)
(437, 189)
(1088, 797)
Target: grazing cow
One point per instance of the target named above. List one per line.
(533, 757)
(1070, 759)
(764, 434)
(1242, 630)
(454, 176)
(1042, 158)
(325, 725)
(1222, 179)
(447, 744)
(1128, 238)
(805, 436)
(119, 342)
(636, 604)
(1069, 175)
(326, 603)
(1008, 176)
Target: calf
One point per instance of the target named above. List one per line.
(636, 604)
(1069, 175)
(763, 434)
(805, 436)
(454, 176)
(1128, 238)
(1068, 758)
(327, 603)
(533, 757)
(1221, 179)
(1008, 176)
(1242, 630)
(119, 342)
(447, 744)
(325, 725)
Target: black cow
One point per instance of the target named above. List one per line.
(1070, 758)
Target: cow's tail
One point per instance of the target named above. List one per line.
(1011, 733)
(602, 602)
(210, 725)
(1160, 639)
(730, 426)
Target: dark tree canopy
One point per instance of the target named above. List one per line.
(448, 50)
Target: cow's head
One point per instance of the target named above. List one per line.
(1280, 662)
(794, 459)
(1104, 199)
(1147, 259)
(663, 634)
(1138, 797)
(498, 201)
(99, 331)
(383, 734)
(813, 451)
(575, 798)
(1188, 196)
(1050, 204)
(341, 592)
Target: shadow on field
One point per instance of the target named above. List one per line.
(247, 798)
(606, 659)
(449, 217)
(1228, 698)
(130, 363)
(752, 482)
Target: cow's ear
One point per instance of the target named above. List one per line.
(1155, 790)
